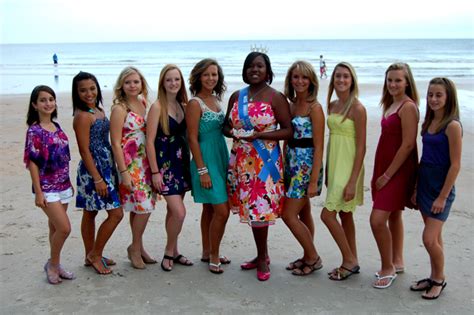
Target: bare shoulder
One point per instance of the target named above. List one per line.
(358, 109)
(82, 117)
(454, 128)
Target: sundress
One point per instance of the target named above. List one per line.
(50, 152)
(173, 158)
(299, 159)
(141, 199)
(87, 197)
(341, 152)
(215, 155)
(257, 202)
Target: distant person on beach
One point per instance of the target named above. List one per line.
(127, 134)
(439, 166)
(204, 120)
(257, 118)
(322, 67)
(303, 171)
(47, 158)
(97, 179)
(395, 169)
(55, 59)
(168, 154)
(347, 123)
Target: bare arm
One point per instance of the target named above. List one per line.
(317, 120)
(409, 117)
(454, 134)
(151, 132)
(226, 130)
(117, 120)
(360, 122)
(281, 108)
(40, 200)
(193, 117)
(82, 124)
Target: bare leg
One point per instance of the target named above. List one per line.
(347, 222)
(337, 231)
(383, 237)
(206, 218)
(105, 231)
(395, 224)
(88, 230)
(174, 223)
(138, 224)
(216, 230)
(301, 232)
(260, 236)
(307, 218)
(433, 244)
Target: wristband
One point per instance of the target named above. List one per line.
(154, 173)
(121, 172)
(99, 181)
(386, 176)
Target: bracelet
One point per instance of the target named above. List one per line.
(99, 181)
(121, 172)
(202, 170)
(386, 176)
(154, 173)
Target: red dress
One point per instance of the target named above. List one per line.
(396, 194)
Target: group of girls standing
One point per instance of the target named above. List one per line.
(152, 157)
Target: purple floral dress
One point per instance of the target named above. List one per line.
(49, 150)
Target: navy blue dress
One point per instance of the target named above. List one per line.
(434, 167)
(173, 158)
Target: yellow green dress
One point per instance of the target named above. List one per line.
(341, 151)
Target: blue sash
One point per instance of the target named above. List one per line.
(269, 159)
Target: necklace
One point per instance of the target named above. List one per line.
(92, 110)
(251, 98)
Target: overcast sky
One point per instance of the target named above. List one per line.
(57, 21)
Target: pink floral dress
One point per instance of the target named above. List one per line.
(141, 199)
(257, 202)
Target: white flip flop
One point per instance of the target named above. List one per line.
(389, 283)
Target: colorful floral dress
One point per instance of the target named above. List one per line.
(49, 150)
(141, 199)
(215, 156)
(258, 202)
(87, 197)
(173, 158)
(299, 159)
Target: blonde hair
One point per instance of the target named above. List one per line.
(120, 98)
(181, 97)
(306, 70)
(410, 90)
(451, 108)
(354, 89)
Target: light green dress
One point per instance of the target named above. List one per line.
(215, 156)
(341, 151)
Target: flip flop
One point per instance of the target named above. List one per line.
(163, 266)
(186, 262)
(342, 273)
(218, 266)
(109, 262)
(388, 284)
(223, 259)
(397, 270)
(435, 284)
(104, 263)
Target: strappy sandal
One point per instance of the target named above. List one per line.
(416, 287)
(170, 258)
(53, 278)
(64, 274)
(342, 273)
(434, 284)
(298, 263)
(180, 259)
(312, 268)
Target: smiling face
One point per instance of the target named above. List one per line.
(45, 104)
(256, 72)
(299, 82)
(396, 83)
(436, 97)
(132, 85)
(342, 80)
(87, 90)
(209, 78)
(172, 81)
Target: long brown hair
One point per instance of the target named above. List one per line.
(451, 108)
(410, 90)
(181, 97)
(354, 89)
(307, 70)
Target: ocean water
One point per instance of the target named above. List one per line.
(24, 66)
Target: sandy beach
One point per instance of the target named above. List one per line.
(194, 290)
